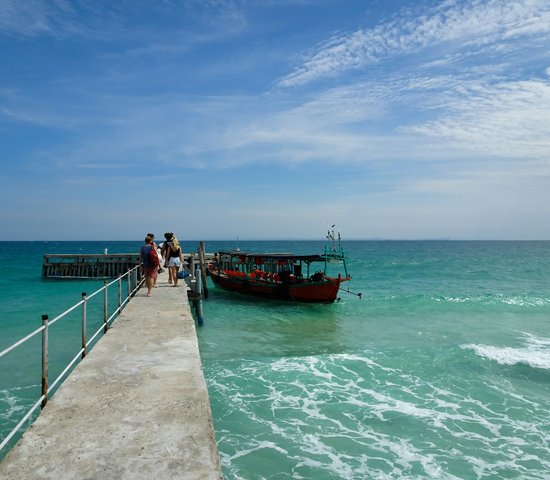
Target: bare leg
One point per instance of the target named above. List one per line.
(174, 272)
(149, 283)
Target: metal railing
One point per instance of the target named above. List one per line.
(131, 277)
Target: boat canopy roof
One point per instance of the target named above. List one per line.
(244, 256)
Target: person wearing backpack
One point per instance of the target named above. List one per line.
(174, 258)
(149, 263)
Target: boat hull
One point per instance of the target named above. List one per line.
(323, 291)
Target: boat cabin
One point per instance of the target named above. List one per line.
(284, 267)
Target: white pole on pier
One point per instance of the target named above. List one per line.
(198, 302)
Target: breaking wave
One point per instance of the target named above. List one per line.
(498, 299)
(535, 352)
(359, 416)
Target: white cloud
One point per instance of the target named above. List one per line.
(473, 23)
(508, 119)
(203, 20)
(39, 17)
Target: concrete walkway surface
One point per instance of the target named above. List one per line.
(136, 407)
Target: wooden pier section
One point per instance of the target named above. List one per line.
(108, 265)
(88, 265)
(136, 407)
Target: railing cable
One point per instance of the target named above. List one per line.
(132, 277)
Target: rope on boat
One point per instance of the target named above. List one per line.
(357, 294)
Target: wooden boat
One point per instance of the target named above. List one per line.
(282, 276)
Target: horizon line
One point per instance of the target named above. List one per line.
(308, 239)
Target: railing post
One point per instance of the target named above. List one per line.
(119, 292)
(84, 324)
(129, 285)
(105, 306)
(44, 360)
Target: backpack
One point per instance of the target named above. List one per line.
(154, 257)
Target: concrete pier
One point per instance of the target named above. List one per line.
(136, 407)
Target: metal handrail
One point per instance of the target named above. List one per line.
(20, 342)
(85, 343)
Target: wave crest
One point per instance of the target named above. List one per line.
(535, 353)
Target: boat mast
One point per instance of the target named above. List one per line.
(334, 249)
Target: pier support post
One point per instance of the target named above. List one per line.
(192, 267)
(198, 301)
(202, 264)
(44, 360)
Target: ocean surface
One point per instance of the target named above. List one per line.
(440, 370)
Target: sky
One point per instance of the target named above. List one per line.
(273, 119)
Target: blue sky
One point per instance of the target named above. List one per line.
(264, 119)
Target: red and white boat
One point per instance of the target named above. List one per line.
(282, 276)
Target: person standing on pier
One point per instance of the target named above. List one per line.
(159, 252)
(149, 265)
(174, 258)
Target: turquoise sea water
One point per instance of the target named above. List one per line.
(441, 370)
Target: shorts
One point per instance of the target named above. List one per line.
(174, 262)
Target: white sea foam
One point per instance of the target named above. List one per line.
(259, 446)
(349, 416)
(11, 403)
(535, 352)
(498, 299)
